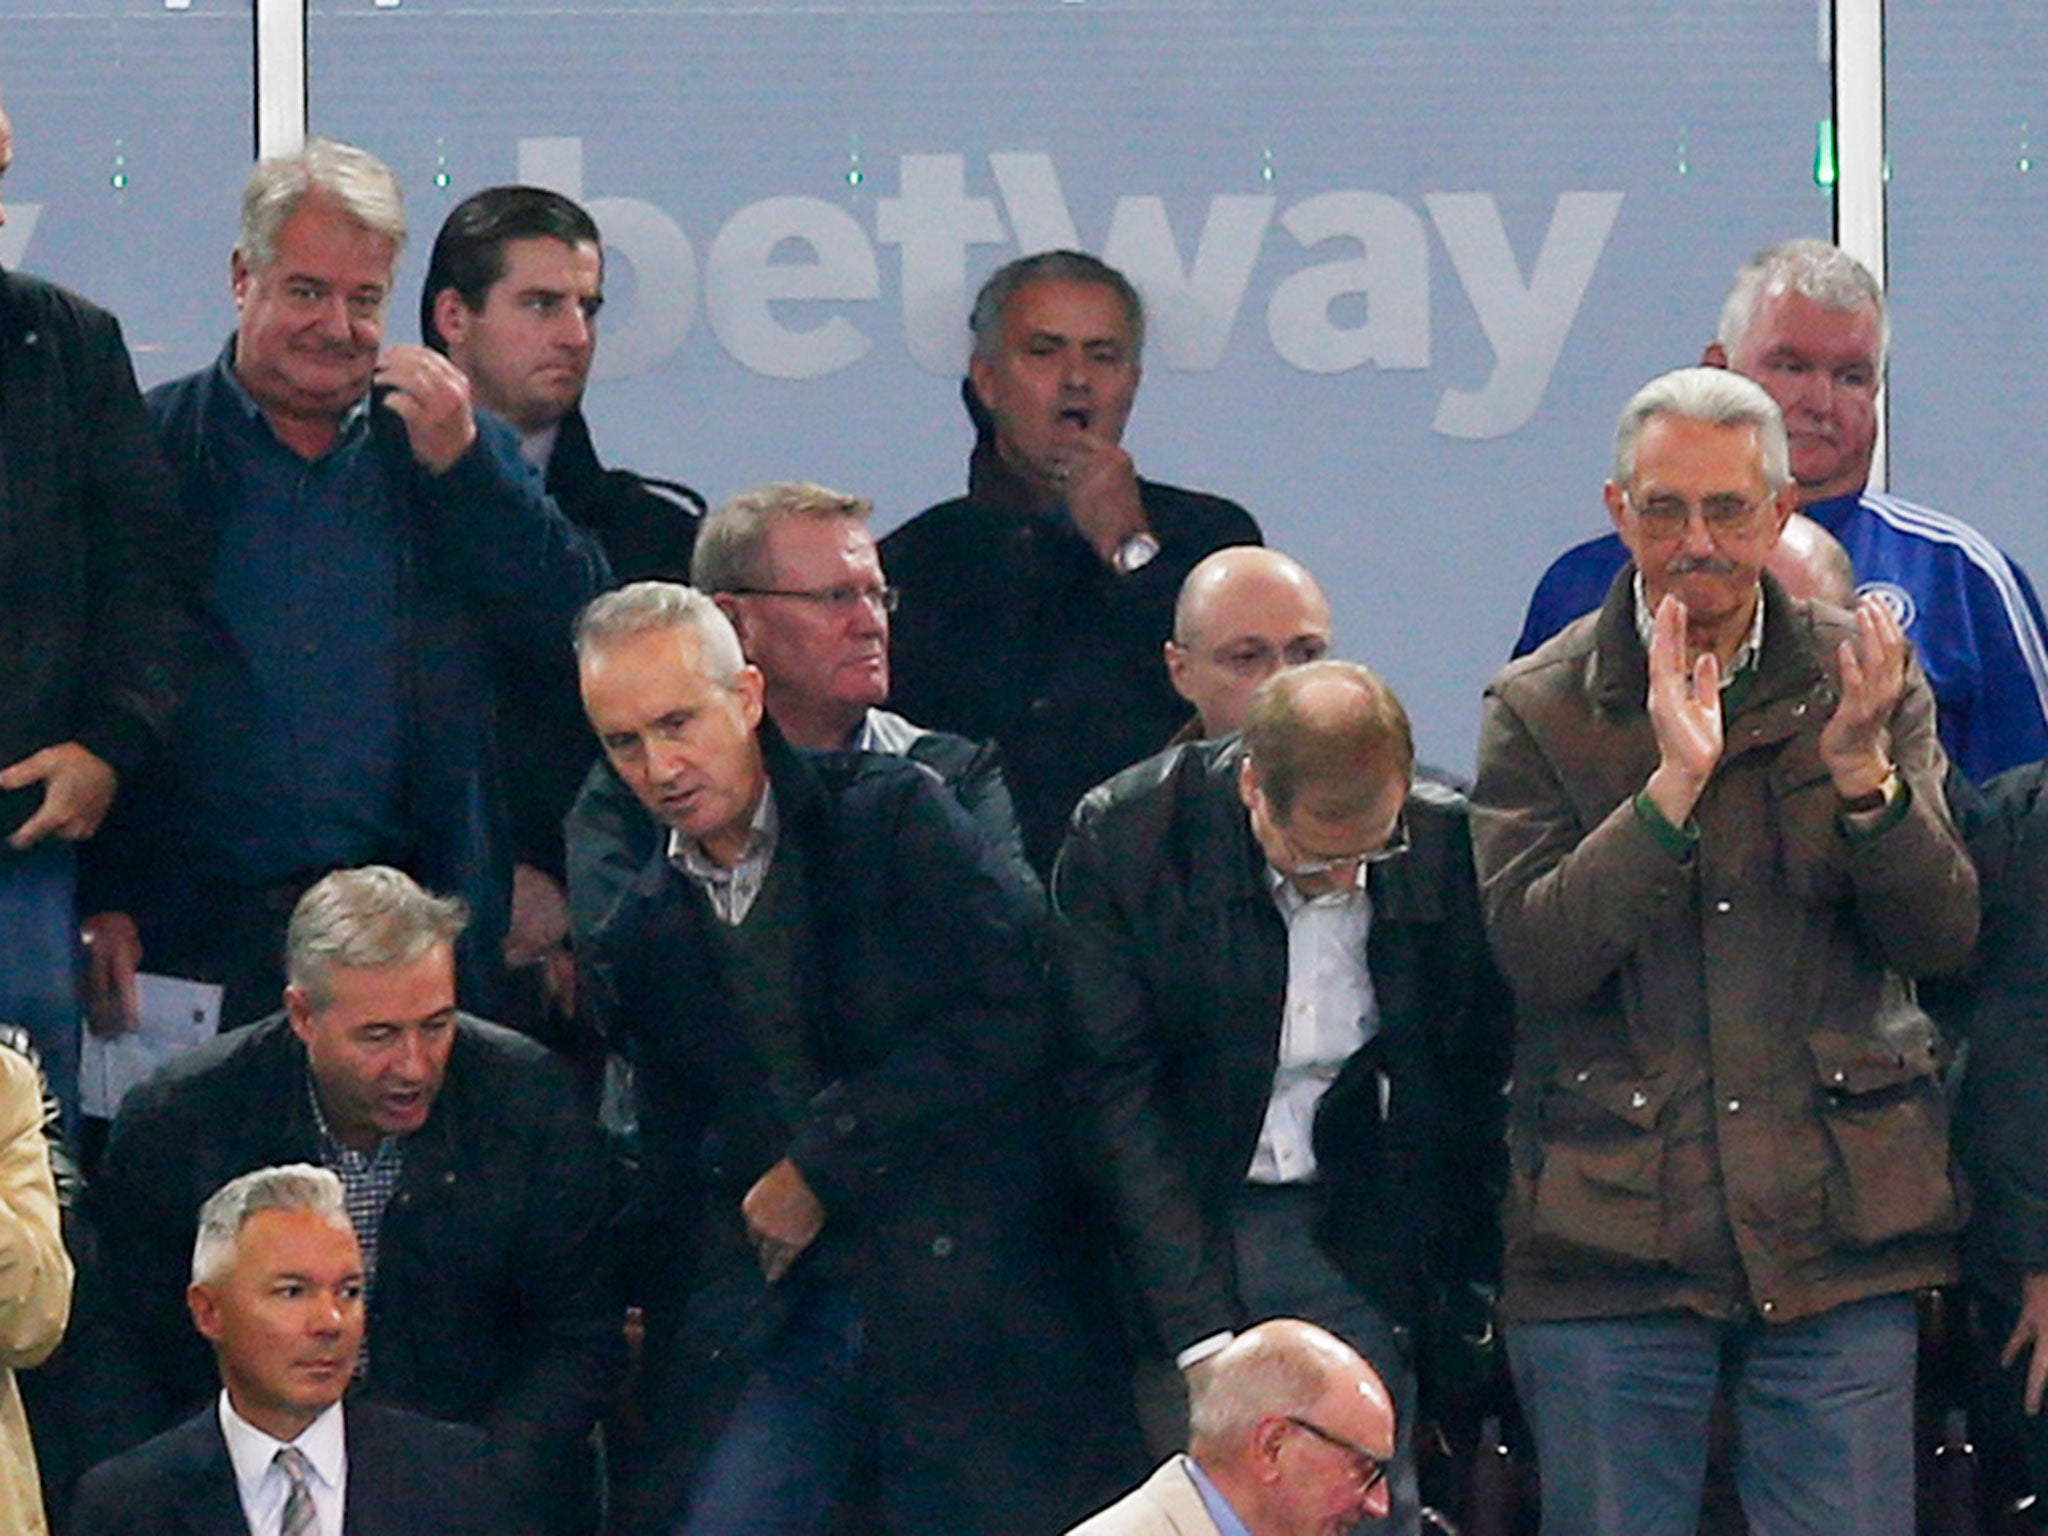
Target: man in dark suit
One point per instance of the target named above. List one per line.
(277, 1289)
(1284, 1034)
(829, 991)
(477, 1183)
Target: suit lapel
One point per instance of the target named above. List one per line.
(207, 1501)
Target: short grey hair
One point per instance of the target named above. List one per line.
(354, 179)
(1821, 273)
(1719, 397)
(371, 918)
(647, 607)
(732, 543)
(1257, 1376)
(290, 1187)
(993, 302)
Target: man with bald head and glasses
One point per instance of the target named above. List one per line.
(1292, 1434)
(1714, 852)
(1243, 614)
(1278, 1012)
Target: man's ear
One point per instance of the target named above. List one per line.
(204, 1309)
(451, 317)
(1715, 356)
(1177, 670)
(730, 606)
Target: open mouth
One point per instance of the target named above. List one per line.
(1074, 416)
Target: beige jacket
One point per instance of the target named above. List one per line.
(1725, 1094)
(1166, 1504)
(35, 1283)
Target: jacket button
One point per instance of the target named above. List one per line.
(1735, 1106)
(1724, 905)
(942, 1247)
(1767, 1307)
(1584, 1075)
(846, 1125)
(1638, 1099)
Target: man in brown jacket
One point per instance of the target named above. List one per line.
(1713, 849)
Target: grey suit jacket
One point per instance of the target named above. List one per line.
(1166, 1504)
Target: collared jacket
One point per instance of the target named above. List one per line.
(98, 577)
(919, 994)
(1725, 1093)
(1171, 956)
(489, 570)
(35, 1277)
(1012, 630)
(494, 1303)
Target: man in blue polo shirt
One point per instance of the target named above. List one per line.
(1808, 322)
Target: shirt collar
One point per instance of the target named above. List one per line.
(537, 448)
(1746, 656)
(1228, 1522)
(238, 392)
(251, 1451)
(331, 1146)
(766, 828)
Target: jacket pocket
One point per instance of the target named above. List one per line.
(1598, 1182)
(1887, 1120)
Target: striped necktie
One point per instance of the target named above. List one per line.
(300, 1518)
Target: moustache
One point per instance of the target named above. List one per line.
(1700, 565)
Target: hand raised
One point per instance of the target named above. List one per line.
(1856, 742)
(430, 395)
(1685, 714)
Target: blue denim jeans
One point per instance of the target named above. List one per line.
(1620, 1408)
(39, 959)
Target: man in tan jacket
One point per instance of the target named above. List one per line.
(35, 1277)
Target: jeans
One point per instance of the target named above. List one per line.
(39, 959)
(1823, 1410)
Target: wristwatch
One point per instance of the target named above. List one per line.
(1135, 553)
(1877, 799)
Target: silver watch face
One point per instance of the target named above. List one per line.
(1135, 552)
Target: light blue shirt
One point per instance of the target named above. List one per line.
(1227, 1522)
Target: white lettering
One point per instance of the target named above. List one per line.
(1525, 325)
(1189, 310)
(1392, 275)
(1036, 206)
(934, 221)
(742, 279)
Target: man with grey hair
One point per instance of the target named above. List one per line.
(277, 1290)
(1714, 853)
(831, 996)
(376, 544)
(1291, 1434)
(1808, 322)
(475, 1182)
(1034, 607)
(1242, 614)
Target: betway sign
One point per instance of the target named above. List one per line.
(1368, 303)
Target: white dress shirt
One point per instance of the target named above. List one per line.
(264, 1485)
(1329, 1014)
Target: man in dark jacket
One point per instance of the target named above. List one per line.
(477, 1186)
(97, 582)
(277, 1290)
(1284, 1037)
(1034, 607)
(831, 999)
(512, 293)
(376, 544)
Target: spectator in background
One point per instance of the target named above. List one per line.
(1808, 322)
(35, 1273)
(1034, 606)
(513, 289)
(1242, 614)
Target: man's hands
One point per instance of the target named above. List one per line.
(2031, 1332)
(113, 954)
(539, 935)
(1685, 714)
(1856, 742)
(783, 1217)
(1099, 484)
(431, 396)
(78, 787)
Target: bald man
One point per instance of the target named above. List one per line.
(1291, 1435)
(1243, 614)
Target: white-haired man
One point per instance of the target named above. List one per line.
(277, 1290)
(1714, 854)
(477, 1184)
(375, 541)
(1808, 322)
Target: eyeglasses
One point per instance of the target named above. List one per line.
(1367, 1470)
(1667, 517)
(1308, 865)
(836, 599)
(1257, 659)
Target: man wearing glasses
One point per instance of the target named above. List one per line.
(1243, 614)
(1711, 836)
(1292, 1435)
(1278, 1010)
